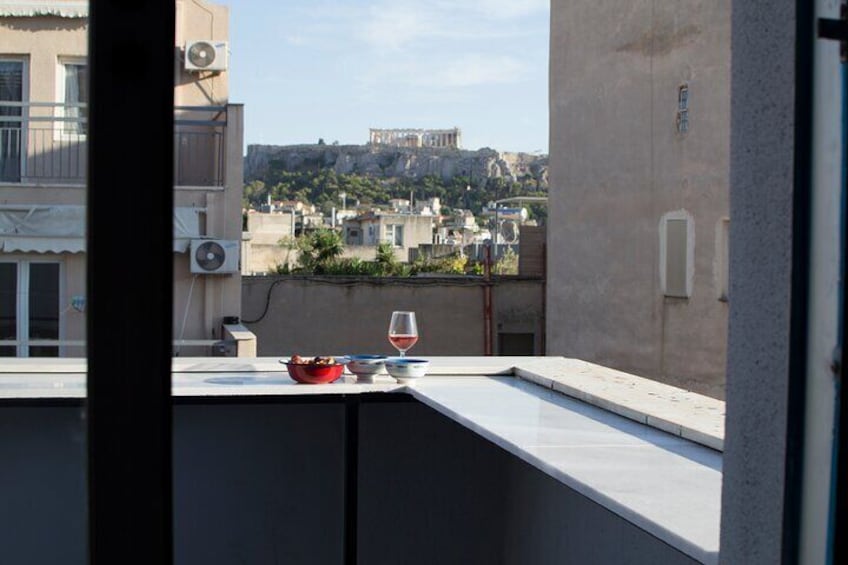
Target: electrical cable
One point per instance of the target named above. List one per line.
(380, 281)
(185, 315)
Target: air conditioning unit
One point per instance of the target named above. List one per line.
(205, 55)
(214, 256)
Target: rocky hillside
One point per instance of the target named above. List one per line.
(399, 162)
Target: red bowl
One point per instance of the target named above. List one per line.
(315, 374)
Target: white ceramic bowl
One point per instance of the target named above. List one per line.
(365, 366)
(405, 369)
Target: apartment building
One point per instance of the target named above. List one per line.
(43, 161)
(403, 231)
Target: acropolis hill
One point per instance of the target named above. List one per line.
(411, 162)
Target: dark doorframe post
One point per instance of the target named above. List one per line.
(129, 273)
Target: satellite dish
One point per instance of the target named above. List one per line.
(509, 231)
(209, 256)
(201, 54)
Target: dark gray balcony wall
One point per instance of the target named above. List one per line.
(258, 484)
(252, 484)
(761, 188)
(264, 483)
(430, 491)
(42, 485)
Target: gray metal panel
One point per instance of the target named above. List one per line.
(258, 484)
(43, 515)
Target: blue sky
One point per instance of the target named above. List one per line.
(331, 69)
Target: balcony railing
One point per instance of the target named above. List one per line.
(45, 143)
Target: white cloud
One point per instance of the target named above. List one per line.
(510, 9)
(479, 70)
(441, 77)
(395, 24)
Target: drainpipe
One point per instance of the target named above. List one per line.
(543, 345)
(487, 302)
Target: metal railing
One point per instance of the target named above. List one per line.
(45, 142)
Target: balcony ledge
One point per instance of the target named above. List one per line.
(631, 445)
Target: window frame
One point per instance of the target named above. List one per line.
(60, 133)
(23, 342)
(390, 234)
(24, 116)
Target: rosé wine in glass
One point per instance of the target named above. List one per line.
(403, 331)
(403, 342)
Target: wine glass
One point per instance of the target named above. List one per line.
(403, 331)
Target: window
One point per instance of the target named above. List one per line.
(11, 95)
(394, 234)
(29, 308)
(73, 94)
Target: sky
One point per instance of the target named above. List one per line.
(332, 69)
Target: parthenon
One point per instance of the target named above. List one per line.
(416, 137)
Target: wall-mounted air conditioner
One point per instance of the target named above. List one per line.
(214, 256)
(205, 55)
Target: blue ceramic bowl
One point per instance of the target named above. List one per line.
(405, 369)
(365, 366)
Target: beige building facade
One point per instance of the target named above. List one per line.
(268, 242)
(403, 231)
(43, 121)
(639, 213)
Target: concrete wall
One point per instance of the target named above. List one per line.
(618, 164)
(339, 315)
(369, 252)
(251, 487)
(761, 181)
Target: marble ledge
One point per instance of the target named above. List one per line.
(679, 412)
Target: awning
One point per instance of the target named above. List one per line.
(61, 229)
(43, 244)
(35, 8)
